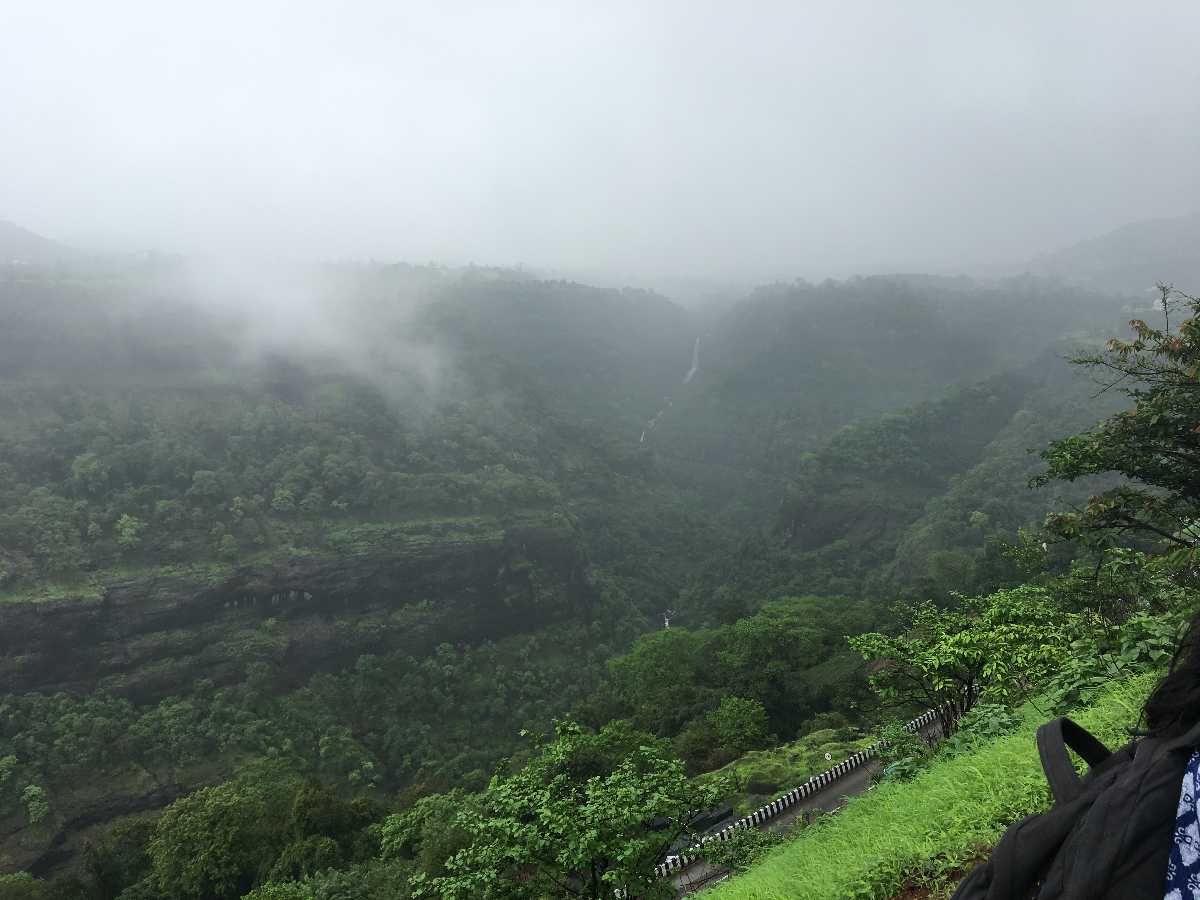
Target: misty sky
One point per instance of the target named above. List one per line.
(738, 139)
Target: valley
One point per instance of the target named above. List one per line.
(252, 533)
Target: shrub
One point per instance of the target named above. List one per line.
(984, 722)
(741, 850)
(904, 753)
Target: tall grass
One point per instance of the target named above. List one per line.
(934, 823)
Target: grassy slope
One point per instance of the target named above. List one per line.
(872, 848)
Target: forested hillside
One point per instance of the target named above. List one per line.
(921, 500)
(1130, 260)
(529, 451)
(368, 523)
(791, 364)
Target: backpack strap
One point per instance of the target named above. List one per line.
(1189, 740)
(1053, 739)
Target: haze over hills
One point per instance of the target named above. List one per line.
(1133, 258)
(440, 442)
(20, 246)
(1129, 259)
(370, 520)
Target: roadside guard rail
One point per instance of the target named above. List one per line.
(780, 804)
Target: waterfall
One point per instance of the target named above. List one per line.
(691, 373)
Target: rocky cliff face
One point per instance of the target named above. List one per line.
(149, 638)
(155, 637)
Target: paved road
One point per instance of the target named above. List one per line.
(700, 874)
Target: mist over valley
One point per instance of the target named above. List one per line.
(476, 452)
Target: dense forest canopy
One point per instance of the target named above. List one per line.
(524, 451)
(360, 535)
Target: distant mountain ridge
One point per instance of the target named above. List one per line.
(21, 246)
(1132, 258)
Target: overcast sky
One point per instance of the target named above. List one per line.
(750, 139)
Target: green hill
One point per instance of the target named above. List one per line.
(369, 522)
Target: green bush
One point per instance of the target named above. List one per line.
(742, 849)
(904, 753)
(980, 725)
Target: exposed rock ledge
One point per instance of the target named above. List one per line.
(149, 638)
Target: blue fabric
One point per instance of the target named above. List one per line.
(1183, 869)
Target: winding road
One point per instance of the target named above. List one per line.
(830, 799)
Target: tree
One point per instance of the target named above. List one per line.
(227, 547)
(206, 486)
(49, 528)
(672, 679)
(721, 736)
(1155, 445)
(663, 680)
(211, 844)
(945, 659)
(427, 832)
(326, 832)
(284, 500)
(741, 724)
(119, 859)
(770, 656)
(575, 822)
(129, 532)
(37, 803)
(89, 474)
(373, 881)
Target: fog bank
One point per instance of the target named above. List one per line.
(667, 138)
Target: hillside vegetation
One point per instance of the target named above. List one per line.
(443, 557)
(923, 831)
(759, 776)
